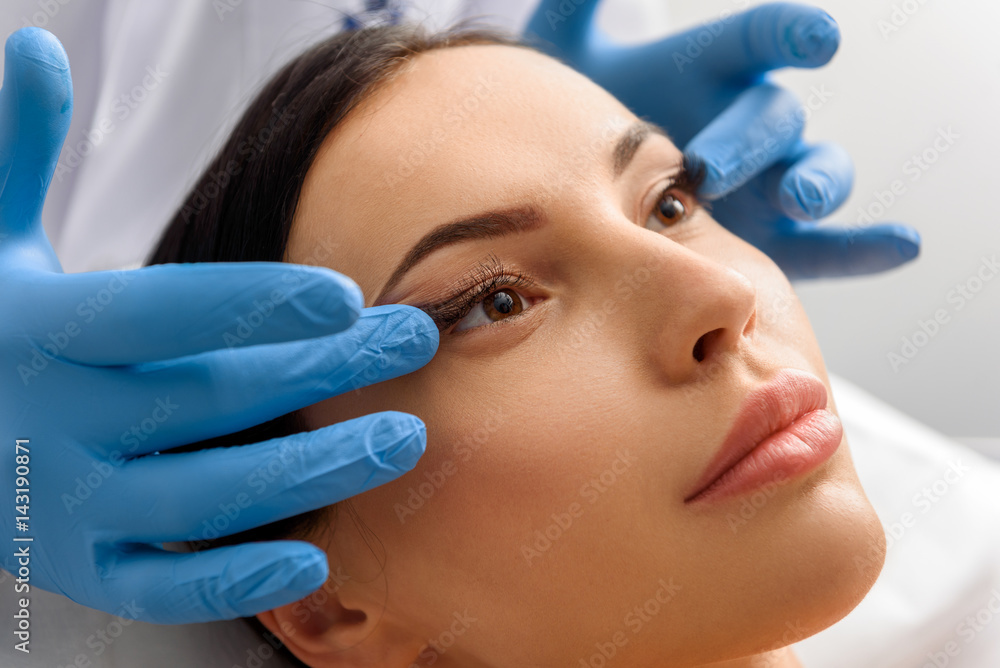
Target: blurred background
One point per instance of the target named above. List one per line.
(909, 73)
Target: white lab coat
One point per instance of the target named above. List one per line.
(159, 83)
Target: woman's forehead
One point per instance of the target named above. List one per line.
(451, 104)
(458, 130)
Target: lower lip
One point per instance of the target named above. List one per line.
(796, 450)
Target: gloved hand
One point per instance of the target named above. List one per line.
(101, 368)
(708, 87)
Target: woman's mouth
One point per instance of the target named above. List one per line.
(782, 430)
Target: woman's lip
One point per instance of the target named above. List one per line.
(782, 429)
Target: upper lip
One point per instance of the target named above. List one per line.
(773, 406)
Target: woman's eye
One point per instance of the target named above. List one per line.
(498, 305)
(669, 210)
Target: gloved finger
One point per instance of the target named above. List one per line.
(566, 25)
(815, 183)
(747, 45)
(831, 252)
(153, 585)
(229, 490)
(761, 126)
(184, 401)
(174, 310)
(36, 104)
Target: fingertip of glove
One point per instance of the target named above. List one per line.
(807, 197)
(813, 38)
(281, 581)
(413, 332)
(38, 45)
(714, 181)
(351, 297)
(409, 440)
(330, 295)
(883, 247)
(311, 571)
(908, 243)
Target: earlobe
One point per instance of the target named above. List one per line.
(322, 631)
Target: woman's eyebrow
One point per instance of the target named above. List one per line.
(487, 225)
(630, 141)
(493, 224)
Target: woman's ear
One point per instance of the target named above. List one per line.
(339, 626)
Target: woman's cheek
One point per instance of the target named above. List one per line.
(508, 442)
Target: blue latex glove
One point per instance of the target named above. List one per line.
(101, 368)
(708, 87)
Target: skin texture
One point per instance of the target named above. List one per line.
(598, 375)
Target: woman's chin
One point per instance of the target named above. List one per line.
(836, 558)
(803, 562)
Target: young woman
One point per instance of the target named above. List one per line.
(633, 456)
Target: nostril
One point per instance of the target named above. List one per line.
(699, 347)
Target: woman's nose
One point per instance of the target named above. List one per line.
(707, 311)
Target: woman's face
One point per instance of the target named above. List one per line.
(573, 408)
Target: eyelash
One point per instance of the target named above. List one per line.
(488, 277)
(687, 181)
(493, 275)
